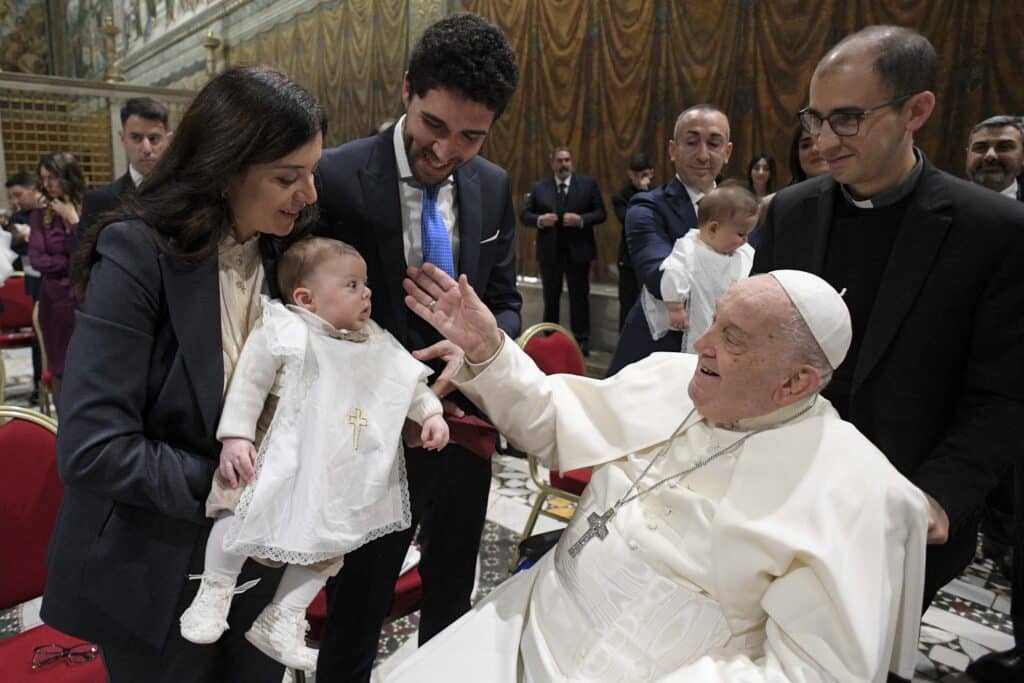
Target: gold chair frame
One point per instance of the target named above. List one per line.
(46, 404)
(545, 488)
(8, 413)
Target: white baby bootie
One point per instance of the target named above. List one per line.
(280, 634)
(206, 618)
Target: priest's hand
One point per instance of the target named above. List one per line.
(938, 522)
(237, 461)
(434, 433)
(453, 309)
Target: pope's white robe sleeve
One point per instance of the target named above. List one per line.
(424, 403)
(251, 382)
(570, 421)
(675, 275)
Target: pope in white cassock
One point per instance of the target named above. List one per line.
(735, 531)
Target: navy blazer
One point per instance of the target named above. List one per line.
(136, 446)
(939, 383)
(584, 198)
(102, 199)
(359, 203)
(654, 221)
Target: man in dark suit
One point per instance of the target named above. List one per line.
(699, 149)
(144, 135)
(565, 208)
(995, 159)
(931, 270)
(641, 173)
(418, 192)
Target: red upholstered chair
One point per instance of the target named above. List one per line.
(30, 494)
(555, 351)
(15, 320)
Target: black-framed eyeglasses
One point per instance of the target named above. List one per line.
(843, 123)
(79, 653)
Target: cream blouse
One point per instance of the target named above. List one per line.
(241, 278)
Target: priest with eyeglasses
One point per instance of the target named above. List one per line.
(734, 529)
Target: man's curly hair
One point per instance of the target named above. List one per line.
(466, 54)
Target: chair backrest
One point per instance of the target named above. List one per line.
(17, 305)
(30, 494)
(555, 353)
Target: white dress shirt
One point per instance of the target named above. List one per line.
(410, 191)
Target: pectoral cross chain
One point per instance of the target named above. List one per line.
(598, 529)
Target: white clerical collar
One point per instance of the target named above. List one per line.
(1010, 190)
(136, 176)
(402, 160)
(773, 418)
(318, 324)
(695, 194)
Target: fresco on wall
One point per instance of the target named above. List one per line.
(82, 22)
(23, 44)
(147, 19)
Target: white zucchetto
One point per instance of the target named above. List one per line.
(822, 308)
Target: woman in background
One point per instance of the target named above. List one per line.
(805, 161)
(761, 175)
(50, 243)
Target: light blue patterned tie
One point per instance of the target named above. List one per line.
(437, 248)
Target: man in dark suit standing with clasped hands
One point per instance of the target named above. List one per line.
(565, 208)
(418, 192)
(931, 267)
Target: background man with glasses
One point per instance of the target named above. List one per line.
(933, 272)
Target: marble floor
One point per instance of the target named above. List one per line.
(969, 618)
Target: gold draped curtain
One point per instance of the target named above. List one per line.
(609, 78)
(351, 55)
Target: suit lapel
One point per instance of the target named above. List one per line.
(679, 202)
(921, 235)
(819, 211)
(467, 183)
(193, 303)
(379, 181)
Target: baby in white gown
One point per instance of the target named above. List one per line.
(311, 464)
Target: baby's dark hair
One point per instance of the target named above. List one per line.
(725, 202)
(301, 260)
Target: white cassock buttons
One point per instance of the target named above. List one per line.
(668, 511)
(652, 525)
(633, 545)
(672, 484)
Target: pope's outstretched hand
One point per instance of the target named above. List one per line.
(453, 309)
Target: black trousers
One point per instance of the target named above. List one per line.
(945, 562)
(448, 493)
(231, 659)
(629, 291)
(577, 277)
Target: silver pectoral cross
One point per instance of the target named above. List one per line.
(598, 524)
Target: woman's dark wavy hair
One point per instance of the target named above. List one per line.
(771, 169)
(244, 116)
(65, 166)
(796, 171)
